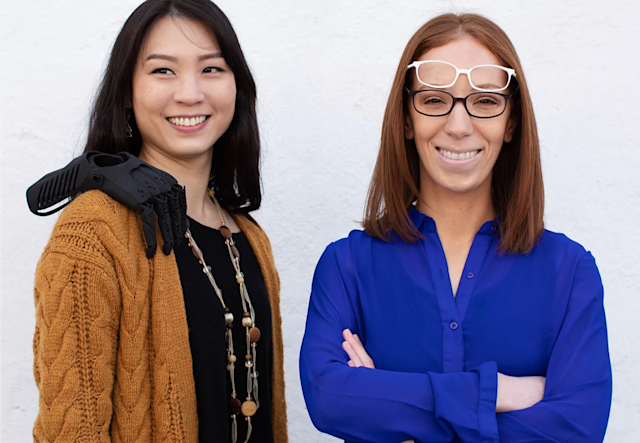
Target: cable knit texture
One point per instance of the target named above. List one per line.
(112, 357)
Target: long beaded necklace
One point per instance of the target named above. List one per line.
(249, 407)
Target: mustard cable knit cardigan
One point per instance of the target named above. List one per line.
(111, 346)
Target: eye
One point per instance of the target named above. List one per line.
(486, 101)
(432, 100)
(212, 69)
(162, 71)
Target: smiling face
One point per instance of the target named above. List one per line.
(183, 91)
(457, 152)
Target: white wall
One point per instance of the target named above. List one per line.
(323, 70)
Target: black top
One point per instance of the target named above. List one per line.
(205, 317)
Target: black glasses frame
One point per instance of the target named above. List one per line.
(413, 94)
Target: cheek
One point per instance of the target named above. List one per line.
(227, 97)
(148, 100)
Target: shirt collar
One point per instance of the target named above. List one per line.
(424, 223)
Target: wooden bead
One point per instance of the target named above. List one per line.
(254, 334)
(235, 251)
(195, 254)
(232, 358)
(235, 406)
(246, 314)
(240, 278)
(248, 357)
(249, 408)
(226, 232)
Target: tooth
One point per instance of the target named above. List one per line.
(467, 155)
(454, 156)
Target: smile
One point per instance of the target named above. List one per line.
(458, 155)
(187, 121)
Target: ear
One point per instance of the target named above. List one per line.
(408, 127)
(510, 129)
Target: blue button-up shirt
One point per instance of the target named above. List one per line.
(437, 356)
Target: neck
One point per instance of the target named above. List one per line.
(192, 173)
(458, 215)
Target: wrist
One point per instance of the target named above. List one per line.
(503, 398)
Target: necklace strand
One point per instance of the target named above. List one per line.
(249, 407)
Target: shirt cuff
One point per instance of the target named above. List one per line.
(487, 422)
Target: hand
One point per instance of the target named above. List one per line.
(515, 393)
(358, 355)
(126, 179)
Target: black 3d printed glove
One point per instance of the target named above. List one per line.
(126, 179)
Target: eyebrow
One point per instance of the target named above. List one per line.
(170, 58)
(488, 86)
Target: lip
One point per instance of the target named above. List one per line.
(459, 163)
(188, 129)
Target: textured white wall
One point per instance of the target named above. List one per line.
(323, 71)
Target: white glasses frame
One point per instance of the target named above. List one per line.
(467, 72)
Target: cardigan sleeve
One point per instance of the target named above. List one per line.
(577, 398)
(75, 340)
(374, 405)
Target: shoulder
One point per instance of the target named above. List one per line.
(560, 246)
(253, 231)
(94, 206)
(572, 260)
(94, 224)
(343, 254)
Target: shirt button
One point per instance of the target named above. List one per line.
(453, 325)
(470, 275)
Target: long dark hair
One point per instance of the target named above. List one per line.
(235, 169)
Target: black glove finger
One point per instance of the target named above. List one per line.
(149, 228)
(177, 208)
(161, 206)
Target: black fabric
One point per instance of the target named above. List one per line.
(205, 317)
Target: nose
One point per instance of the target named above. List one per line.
(458, 123)
(189, 91)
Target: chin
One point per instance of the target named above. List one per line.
(458, 184)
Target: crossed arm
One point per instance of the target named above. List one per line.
(363, 404)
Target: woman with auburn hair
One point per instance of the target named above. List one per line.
(455, 316)
(135, 347)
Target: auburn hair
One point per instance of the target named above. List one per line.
(517, 188)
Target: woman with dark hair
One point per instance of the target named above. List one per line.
(131, 348)
(455, 316)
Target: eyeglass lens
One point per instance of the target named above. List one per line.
(480, 104)
(437, 74)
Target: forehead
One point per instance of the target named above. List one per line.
(464, 52)
(179, 35)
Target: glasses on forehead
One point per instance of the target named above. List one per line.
(439, 74)
(437, 103)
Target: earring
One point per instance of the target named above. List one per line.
(129, 130)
